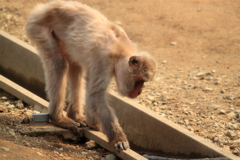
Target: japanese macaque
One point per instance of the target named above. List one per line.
(77, 44)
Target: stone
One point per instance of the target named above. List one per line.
(19, 104)
(229, 97)
(230, 134)
(110, 157)
(3, 98)
(222, 111)
(200, 74)
(164, 62)
(222, 91)
(213, 71)
(5, 149)
(207, 89)
(91, 144)
(231, 115)
(8, 17)
(84, 153)
(25, 120)
(173, 43)
(213, 106)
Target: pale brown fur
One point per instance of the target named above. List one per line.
(74, 40)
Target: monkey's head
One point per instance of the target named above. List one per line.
(132, 72)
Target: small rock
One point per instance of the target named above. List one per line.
(216, 139)
(164, 62)
(24, 38)
(3, 98)
(173, 43)
(236, 141)
(207, 89)
(231, 115)
(19, 104)
(155, 109)
(230, 134)
(222, 111)
(213, 71)
(40, 154)
(201, 74)
(91, 144)
(217, 82)
(84, 153)
(8, 17)
(25, 120)
(209, 78)
(10, 106)
(111, 157)
(213, 106)
(5, 149)
(150, 97)
(6, 103)
(222, 91)
(229, 97)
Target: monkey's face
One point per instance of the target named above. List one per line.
(132, 73)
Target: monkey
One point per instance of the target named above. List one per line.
(80, 47)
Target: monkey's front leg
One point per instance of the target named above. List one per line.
(100, 114)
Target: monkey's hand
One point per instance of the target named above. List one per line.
(124, 145)
(119, 141)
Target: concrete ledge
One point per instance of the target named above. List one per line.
(42, 106)
(145, 129)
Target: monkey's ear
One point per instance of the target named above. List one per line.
(134, 61)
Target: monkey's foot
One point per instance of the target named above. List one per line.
(81, 122)
(68, 123)
(96, 127)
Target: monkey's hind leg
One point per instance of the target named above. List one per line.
(55, 69)
(76, 87)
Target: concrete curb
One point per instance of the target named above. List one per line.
(145, 129)
(42, 106)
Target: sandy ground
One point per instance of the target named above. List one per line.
(196, 44)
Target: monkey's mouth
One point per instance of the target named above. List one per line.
(137, 89)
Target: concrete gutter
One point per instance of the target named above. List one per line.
(145, 129)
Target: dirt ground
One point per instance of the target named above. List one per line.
(197, 46)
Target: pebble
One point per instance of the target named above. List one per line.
(222, 91)
(164, 62)
(200, 74)
(222, 111)
(207, 89)
(173, 43)
(229, 97)
(231, 115)
(84, 153)
(10, 106)
(110, 157)
(8, 17)
(91, 144)
(19, 104)
(230, 134)
(213, 71)
(213, 106)
(5, 149)
(3, 98)
(24, 38)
